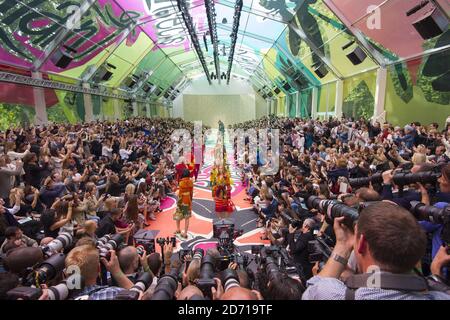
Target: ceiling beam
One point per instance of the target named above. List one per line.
(72, 23)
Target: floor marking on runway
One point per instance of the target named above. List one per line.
(202, 206)
(249, 222)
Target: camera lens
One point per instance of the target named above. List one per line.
(230, 279)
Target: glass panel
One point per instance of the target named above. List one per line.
(68, 107)
(18, 109)
(423, 96)
(359, 93)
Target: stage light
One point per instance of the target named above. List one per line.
(224, 21)
(320, 70)
(431, 23)
(233, 36)
(62, 58)
(357, 55)
(277, 90)
(105, 73)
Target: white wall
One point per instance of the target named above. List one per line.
(201, 86)
(231, 103)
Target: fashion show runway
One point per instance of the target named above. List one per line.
(203, 213)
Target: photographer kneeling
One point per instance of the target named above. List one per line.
(388, 240)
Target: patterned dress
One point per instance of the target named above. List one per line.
(185, 194)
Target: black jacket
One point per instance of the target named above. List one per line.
(298, 247)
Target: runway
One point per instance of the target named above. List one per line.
(203, 213)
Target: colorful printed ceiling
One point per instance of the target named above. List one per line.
(286, 44)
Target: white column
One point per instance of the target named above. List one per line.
(40, 107)
(88, 107)
(135, 109)
(147, 110)
(379, 113)
(268, 105)
(117, 111)
(314, 102)
(339, 98)
(297, 104)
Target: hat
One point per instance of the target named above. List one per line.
(408, 128)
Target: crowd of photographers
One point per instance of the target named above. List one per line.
(362, 209)
(356, 211)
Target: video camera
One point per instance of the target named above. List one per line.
(435, 215)
(224, 231)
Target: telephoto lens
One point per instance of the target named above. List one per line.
(142, 283)
(47, 270)
(103, 240)
(112, 244)
(206, 279)
(230, 279)
(167, 285)
(62, 241)
(430, 213)
(272, 269)
(333, 209)
(64, 289)
(376, 178)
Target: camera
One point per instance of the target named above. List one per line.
(167, 285)
(275, 259)
(24, 293)
(319, 249)
(333, 209)
(295, 223)
(142, 284)
(107, 243)
(230, 279)
(435, 215)
(206, 279)
(46, 270)
(62, 241)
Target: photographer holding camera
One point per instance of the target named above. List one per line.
(87, 259)
(298, 246)
(387, 243)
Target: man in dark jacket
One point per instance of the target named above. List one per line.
(298, 246)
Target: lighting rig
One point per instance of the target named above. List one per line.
(194, 39)
(211, 15)
(233, 36)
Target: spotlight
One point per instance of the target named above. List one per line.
(287, 87)
(277, 90)
(224, 21)
(62, 58)
(105, 73)
(432, 22)
(320, 70)
(356, 56)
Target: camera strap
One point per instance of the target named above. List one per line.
(386, 281)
